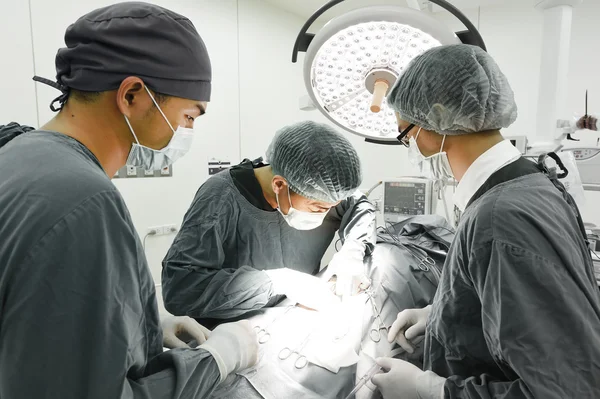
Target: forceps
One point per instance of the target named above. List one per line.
(425, 261)
(301, 361)
(375, 369)
(375, 332)
(263, 333)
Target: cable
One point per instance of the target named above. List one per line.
(144, 242)
(150, 233)
(369, 191)
(336, 245)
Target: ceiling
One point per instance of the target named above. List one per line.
(305, 8)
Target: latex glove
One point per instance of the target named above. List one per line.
(302, 288)
(179, 330)
(403, 380)
(349, 268)
(234, 346)
(587, 122)
(409, 324)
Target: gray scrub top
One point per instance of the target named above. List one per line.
(214, 267)
(517, 314)
(78, 311)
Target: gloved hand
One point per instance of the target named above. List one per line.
(587, 122)
(403, 380)
(179, 330)
(409, 325)
(302, 288)
(234, 346)
(349, 268)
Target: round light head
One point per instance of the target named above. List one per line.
(354, 51)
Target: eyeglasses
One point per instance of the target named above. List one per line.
(402, 136)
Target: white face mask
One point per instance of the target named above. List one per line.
(435, 167)
(148, 158)
(301, 220)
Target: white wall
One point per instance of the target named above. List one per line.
(18, 101)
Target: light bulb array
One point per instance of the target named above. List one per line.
(342, 64)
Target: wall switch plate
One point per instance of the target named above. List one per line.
(215, 166)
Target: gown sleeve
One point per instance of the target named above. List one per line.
(80, 318)
(535, 318)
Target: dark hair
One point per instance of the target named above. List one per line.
(85, 97)
(89, 97)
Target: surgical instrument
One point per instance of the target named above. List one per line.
(263, 333)
(302, 360)
(424, 260)
(375, 369)
(375, 332)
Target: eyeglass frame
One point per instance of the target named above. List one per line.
(403, 134)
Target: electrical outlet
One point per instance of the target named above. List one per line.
(131, 171)
(156, 230)
(163, 230)
(149, 172)
(165, 171)
(170, 229)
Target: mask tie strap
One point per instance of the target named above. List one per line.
(131, 129)
(289, 198)
(443, 141)
(159, 110)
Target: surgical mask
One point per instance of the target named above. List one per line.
(301, 220)
(148, 158)
(436, 166)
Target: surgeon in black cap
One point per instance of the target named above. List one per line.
(78, 310)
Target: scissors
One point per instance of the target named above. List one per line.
(375, 332)
(301, 361)
(425, 261)
(263, 333)
(375, 369)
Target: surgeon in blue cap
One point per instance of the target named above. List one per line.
(259, 231)
(517, 310)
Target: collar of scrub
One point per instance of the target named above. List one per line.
(486, 165)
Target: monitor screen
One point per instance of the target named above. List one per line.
(404, 198)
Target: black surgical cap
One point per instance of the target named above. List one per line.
(134, 39)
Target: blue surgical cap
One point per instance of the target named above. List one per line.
(454, 90)
(317, 162)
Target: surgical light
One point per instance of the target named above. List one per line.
(354, 60)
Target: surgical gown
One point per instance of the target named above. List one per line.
(213, 270)
(78, 311)
(516, 314)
